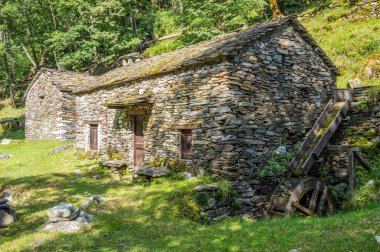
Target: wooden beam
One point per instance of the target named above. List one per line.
(314, 197)
(363, 161)
(302, 208)
(322, 201)
(351, 173)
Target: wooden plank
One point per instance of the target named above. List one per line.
(302, 208)
(322, 201)
(311, 136)
(314, 197)
(138, 146)
(351, 173)
(341, 148)
(363, 161)
(94, 137)
(181, 126)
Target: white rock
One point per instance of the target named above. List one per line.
(281, 150)
(69, 226)
(61, 211)
(377, 239)
(6, 141)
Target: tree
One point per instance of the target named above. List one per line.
(278, 8)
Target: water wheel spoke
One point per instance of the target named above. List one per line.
(302, 208)
(314, 197)
(321, 205)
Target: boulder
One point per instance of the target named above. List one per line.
(377, 239)
(113, 163)
(152, 172)
(69, 226)
(205, 188)
(281, 150)
(7, 216)
(354, 83)
(95, 199)
(5, 156)
(5, 141)
(62, 213)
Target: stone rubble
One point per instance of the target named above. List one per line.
(67, 219)
(151, 172)
(7, 215)
(5, 156)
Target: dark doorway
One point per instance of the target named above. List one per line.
(139, 152)
(94, 137)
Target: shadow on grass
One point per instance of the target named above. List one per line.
(142, 217)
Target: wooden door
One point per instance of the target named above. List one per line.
(186, 144)
(139, 153)
(94, 137)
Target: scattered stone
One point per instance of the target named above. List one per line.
(95, 199)
(5, 141)
(123, 246)
(201, 188)
(7, 215)
(354, 83)
(188, 175)
(69, 226)
(5, 156)
(113, 163)
(370, 183)
(97, 177)
(152, 172)
(376, 139)
(60, 149)
(294, 250)
(377, 239)
(64, 212)
(38, 244)
(281, 150)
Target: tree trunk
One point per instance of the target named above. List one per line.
(278, 8)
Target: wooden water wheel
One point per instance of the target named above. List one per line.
(304, 196)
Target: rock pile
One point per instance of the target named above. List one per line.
(7, 215)
(213, 208)
(5, 156)
(152, 172)
(65, 218)
(116, 166)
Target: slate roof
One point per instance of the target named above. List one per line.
(194, 55)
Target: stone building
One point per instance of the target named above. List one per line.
(222, 105)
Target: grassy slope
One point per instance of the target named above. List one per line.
(7, 111)
(143, 217)
(349, 43)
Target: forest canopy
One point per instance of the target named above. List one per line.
(77, 34)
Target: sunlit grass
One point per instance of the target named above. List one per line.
(7, 111)
(143, 217)
(349, 43)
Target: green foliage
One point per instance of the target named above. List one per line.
(173, 165)
(278, 164)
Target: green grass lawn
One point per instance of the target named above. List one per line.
(7, 111)
(141, 214)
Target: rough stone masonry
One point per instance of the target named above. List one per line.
(241, 96)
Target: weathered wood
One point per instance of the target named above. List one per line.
(94, 137)
(302, 208)
(363, 161)
(341, 148)
(314, 197)
(139, 151)
(322, 201)
(311, 136)
(351, 172)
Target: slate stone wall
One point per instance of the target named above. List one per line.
(269, 94)
(50, 113)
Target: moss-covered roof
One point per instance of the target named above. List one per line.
(187, 57)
